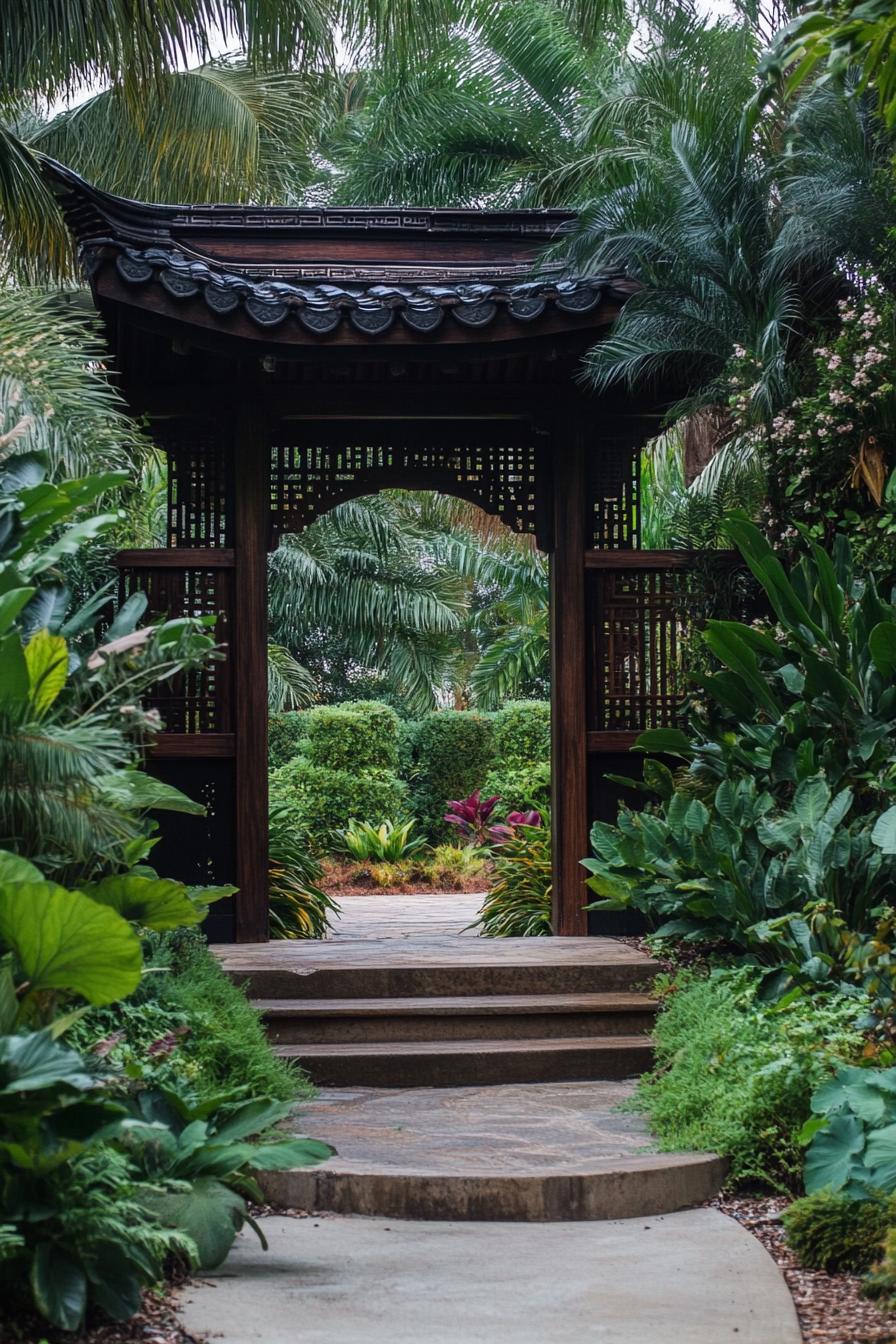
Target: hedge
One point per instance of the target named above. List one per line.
(358, 736)
(287, 734)
(324, 801)
(451, 752)
(523, 734)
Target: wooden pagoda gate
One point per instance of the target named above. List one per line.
(287, 359)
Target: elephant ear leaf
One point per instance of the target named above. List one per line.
(882, 647)
(13, 868)
(209, 1213)
(884, 832)
(154, 902)
(834, 1153)
(64, 940)
(59, 1286)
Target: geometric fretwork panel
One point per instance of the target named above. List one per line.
(613, 486)
(196, 701)
(642, 621)
(319, 466)
(198, 484)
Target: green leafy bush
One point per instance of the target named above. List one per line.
(519, 789)
(454, 865)
(835, 1233)
(735, 1075)
(779, 836)
(388, 842)
(359, 736)
(287, 734)
(518, 904)
(322, 801)
(298, 907)
(853, 1134)
(523, 734)
(451, 753)
(881, 1282)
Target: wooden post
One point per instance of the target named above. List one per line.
(251, 495)
(569, 755)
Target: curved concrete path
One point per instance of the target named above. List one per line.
(688, 1278)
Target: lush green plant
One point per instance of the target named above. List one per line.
(298, 907)
(521, 788)
(523, 734)
(518, 904)
(832, 1232)
(290, 685)
(452, 750)
(777, 837)
(287, 734)
(388, 842)
(450, 865)
(202, 1150)
(735, 1075)
(196, 1025)
(853, 1134)
(345, 737)
(322, 800)
(881, 1282)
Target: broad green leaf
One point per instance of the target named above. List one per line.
(209, 1213)
(880, 1156)
(833, 1154)
(11, 603)
(770, 572)
(251, 1118)
(33, 1061)
(726, 641)
(810, 801)
(46, 657)
(884, 833)
(9, 1004)
(882, 647)
(666, 741)
(289, 1154)
(64, 940)
(13, 868)
(659, 778)
(59, 1286)
(135, 788)
(14, 682)
(154, 902)
(828, 590)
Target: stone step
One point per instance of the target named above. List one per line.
(528, 1152)
(436, 967)
(460, 1063)
(454, 1017)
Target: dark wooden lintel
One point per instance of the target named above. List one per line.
(177, 746)
(611, 742)
(177, 557)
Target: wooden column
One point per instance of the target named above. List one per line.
(251, 496)
(569, 755)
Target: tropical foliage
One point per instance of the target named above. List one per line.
(518, 903)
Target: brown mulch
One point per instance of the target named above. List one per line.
(155, 1323)
(830, 1307)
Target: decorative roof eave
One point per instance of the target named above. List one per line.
(322, 307)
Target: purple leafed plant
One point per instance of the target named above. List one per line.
(505, 830)
(471, 816)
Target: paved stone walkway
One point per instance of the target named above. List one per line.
(407, 915)
(686, 1278)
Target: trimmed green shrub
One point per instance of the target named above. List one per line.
(736, 1076)
(287, 734)
(324, 801)
(520, 789)
(523, 734)
(881, 1282)
(839, 1235)
(352, 738)
(451, 754)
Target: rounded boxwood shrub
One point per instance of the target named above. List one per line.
(519, 789)
(287, 734)
(324, 801)
(451, 753)
(835, 1233)
(343, 737)
(523, 733)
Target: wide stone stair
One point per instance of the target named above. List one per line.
(470, 1078)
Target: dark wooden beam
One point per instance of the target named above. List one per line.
(251, 506)
(177, 557)
(178, 746)
(569, 759)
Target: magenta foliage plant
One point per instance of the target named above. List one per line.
(505, 830)
(471, 816)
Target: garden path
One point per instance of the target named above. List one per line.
(407, 915)
(691, 1278)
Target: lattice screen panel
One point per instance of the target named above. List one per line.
(640, 623)
(198, 483)
(195, 701)
(613, 484)
(320, 465)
